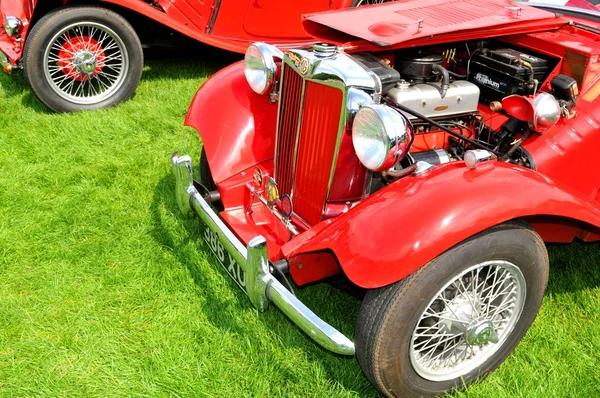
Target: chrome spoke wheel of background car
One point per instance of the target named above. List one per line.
(468, 320)
(83, 58)
(86, 62)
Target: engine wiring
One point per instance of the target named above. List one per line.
(475, 143)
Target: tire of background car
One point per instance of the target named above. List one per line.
(83, 58)
(357, 3)
(455, 319)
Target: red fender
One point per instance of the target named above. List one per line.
(407, 224)
(12, 46)
(237, 125)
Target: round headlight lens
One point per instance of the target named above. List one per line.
(260, 68)
(381, 136)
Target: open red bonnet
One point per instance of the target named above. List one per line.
(403, 21)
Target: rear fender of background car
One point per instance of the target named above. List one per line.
(237, 125)
(400, 228)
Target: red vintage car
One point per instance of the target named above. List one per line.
(88, 55)
(425, 152)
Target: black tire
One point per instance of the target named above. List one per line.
(390, 317)
(83, 58)
(358, 3)
(206, 178)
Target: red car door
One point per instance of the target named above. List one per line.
(195, 14)
(281, 18)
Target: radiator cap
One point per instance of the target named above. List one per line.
(323, 50)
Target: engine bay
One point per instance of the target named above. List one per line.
(486, 95)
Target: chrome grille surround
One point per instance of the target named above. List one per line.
(339, 71)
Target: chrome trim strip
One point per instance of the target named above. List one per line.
(275, 157)
(261, 285)
(213, 17)
(300, 113)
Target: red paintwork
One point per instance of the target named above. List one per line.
(407, 225)
(349, 176)
(21, 9)
(235, 23)
(313, 267)
(70, 47)
(390, 234)
(398, 22)
(245, 136)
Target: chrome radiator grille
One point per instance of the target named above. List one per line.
(307, 137)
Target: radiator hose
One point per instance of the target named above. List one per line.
(445, 78)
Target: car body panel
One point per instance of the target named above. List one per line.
(275, 18)
(193, 13)
(227, 24)
(399, 22)
(246, 136)
(22, 9)
(407, 224)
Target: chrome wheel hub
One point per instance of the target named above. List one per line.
(459, 312)
(480, 332)
(85, 62)
(467, 320)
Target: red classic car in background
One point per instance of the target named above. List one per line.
(425, 154)
(88, 55)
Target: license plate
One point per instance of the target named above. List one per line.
(225, 259)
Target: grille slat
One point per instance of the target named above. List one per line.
(312, 146)
(316, 149)
(288, 127)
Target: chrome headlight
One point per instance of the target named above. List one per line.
(260, 68)
(381, 136)
(12, 25)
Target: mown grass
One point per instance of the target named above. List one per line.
(105, 290)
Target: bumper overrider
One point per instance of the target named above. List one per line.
(260, 285)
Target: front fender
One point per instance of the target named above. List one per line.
(12, 47)
(407, 224)
(237, 125)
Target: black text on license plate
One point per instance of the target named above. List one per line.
(227, 261)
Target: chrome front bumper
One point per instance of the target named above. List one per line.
(261, 286)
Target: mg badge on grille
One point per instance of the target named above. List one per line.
(295, 59)
(304, 66)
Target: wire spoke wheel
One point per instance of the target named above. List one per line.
(80, 58)
(455, 319)
(468, 320)
(86, 62)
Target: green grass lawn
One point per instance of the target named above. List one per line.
(105, 290)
